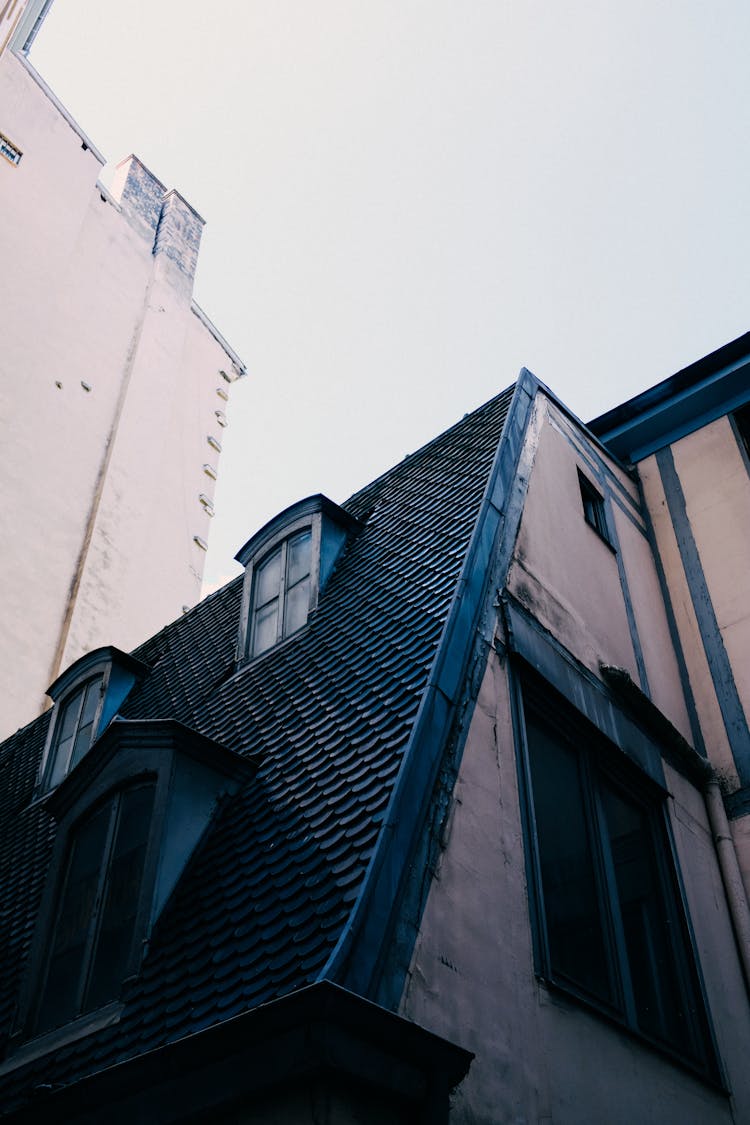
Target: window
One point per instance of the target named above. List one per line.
(610, 926)
(74, 729)
(95, 921)
(281, 592)
(593, 508)
(288, 563)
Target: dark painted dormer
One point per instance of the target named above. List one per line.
(86, 698)
(287, 564)
(128, 819)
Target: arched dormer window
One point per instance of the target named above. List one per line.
(287, 564)
(128, 819)
(86, 697)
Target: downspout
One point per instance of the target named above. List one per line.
(731, 876)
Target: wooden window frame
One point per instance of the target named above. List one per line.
(601, 765)
(594, 509)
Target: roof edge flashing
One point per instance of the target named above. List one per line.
(309, 506)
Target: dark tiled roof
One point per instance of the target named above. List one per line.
(328, 713)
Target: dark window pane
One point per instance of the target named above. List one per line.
(265, 627)
(74, 919)
(298, 558)
(122, 891)
(268, 579)
(86, 722)
(652, 938)
(575, 930)
(297, 607)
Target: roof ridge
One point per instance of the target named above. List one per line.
(409, 458)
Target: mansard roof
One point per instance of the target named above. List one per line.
(291, 883)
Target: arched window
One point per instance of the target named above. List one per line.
(74, 729)
(94, 929)
(281, 592)
(287, 565)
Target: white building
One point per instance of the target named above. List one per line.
(113, 389)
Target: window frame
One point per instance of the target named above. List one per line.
(594, 509)
(114, 798)
(309, 522)
(118, 672)
(283, 589)
(52, 750)
(601, 764)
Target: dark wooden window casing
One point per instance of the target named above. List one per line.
(610, 925)
(92, 935)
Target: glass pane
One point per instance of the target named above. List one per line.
(66, 965)
(265, 627)
(86, 724)
(121, 897)
(297, 606)
(652, 938)
(298, 558)
(575, 931)
(64, 737)
(268, 579)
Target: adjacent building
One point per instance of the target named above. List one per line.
(113, 390)
(437, 813)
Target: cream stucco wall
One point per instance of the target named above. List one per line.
(541, 1058)
(108, 392)
(569, 578)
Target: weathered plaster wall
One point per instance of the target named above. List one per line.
(601, 604)
(101, 482)
(541, 1057)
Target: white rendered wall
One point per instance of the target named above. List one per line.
(101, 482)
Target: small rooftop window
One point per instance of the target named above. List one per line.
(593, 509)
(287, 565)
(86, 697)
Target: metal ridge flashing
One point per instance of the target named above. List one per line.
(383, 883)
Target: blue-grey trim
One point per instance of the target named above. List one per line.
(740, 442)
(375, 913)
(543, 652)
(737, 804)
(678, 406)
(589, 452)
(635, 639)
(719, 664)
(674, 633)
(609, 483)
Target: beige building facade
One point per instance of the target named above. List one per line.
(113, 392)
(594, 639)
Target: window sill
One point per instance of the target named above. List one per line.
(40, 1045)
(567, 999)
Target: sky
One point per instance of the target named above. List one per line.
(406, 201)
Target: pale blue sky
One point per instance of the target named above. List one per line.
(408, 200)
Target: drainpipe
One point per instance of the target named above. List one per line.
(734, 887)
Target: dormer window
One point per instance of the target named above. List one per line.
(287, 565)
(74, 729)
(86, 696)
(128, 819)
(95, 920)
(281, 592)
